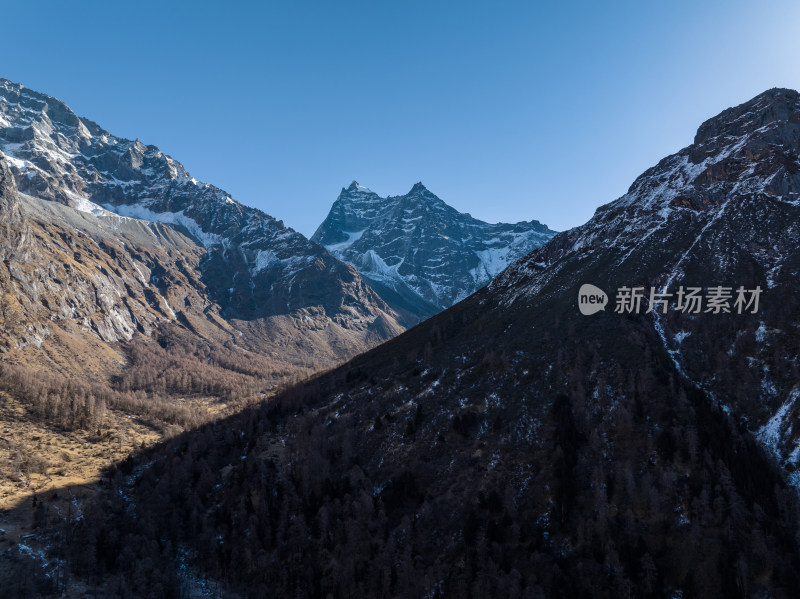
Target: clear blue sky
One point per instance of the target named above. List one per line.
(507, 110)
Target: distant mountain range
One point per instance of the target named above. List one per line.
(218, 268)
(419, 253)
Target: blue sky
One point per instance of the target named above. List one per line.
(510, 111)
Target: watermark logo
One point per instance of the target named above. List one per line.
(689, 300)
(591, 299)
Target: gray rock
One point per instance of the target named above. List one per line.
(419, 253)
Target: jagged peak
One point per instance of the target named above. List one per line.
(18, 88)
(355, 187)
(418, 188)
(49, 107)
(8, 83)
(775, 105)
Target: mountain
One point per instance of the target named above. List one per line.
(125, 240)
(511, 446)
(419, 253)
(725, 211)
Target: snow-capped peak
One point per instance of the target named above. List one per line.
(421, 248)
(254, 266)
(356, 188)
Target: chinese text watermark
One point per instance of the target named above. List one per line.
(689, 300)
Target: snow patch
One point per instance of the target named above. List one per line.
(84, 205)
(680, 336)
(22, 165)
(265, 259)
(493, 261)
(170, 218)
(352, 236)
(770, 433)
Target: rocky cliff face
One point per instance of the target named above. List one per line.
(73, 284)
(13, 228)
(245, 268)
(420, 253)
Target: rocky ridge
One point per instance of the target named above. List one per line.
(419, 252)
(259, 277)
(724, 211)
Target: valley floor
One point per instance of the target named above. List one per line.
(48, 473)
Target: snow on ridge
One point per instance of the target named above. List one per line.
(64, 144)
(170, 218)
(654, 194)
(362, 189)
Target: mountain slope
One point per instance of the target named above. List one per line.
(421, 254)
(116, 331)
(512, 447)
(251, 276)
(724, 211)
(65, 275)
